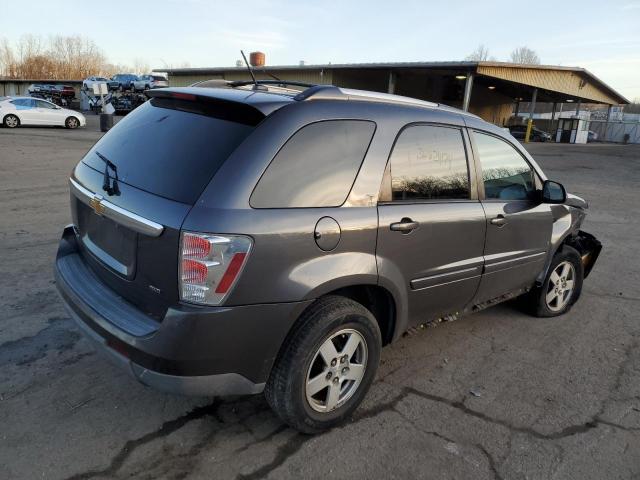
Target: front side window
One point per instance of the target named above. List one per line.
(429, 163)
(505, 173)
(316, 167)
(43, 104)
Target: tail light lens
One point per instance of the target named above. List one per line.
(210, 265)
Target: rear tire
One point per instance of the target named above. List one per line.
(312, 394)
(11, 121)
(561, 287)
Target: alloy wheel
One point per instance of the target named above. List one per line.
(561, 285)
(336, 370)
(11, 121)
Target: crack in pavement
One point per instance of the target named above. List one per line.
(493, 467)
(492, 463)
(284, 452)
(165, 429)
(297, 441)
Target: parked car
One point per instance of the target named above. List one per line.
(592, 136)
(66, 91)
(36, 88)
(147, 82)
(125, 81)
(537, 135)
(16, 111)
(88, 83)
(232, 243)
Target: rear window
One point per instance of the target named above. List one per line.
(316, 167)
(168, 152)
(158, 79)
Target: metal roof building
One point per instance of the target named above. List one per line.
(488, 89)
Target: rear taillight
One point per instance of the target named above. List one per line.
(210, 265)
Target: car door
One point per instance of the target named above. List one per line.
(26, 110)
(518, 224)
(431, 225)
(48, 113)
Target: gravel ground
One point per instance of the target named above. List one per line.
(552, 398)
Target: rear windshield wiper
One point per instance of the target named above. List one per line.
(109, 184)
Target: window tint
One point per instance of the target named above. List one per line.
(24, 103)
(316, 167)
(429, 162)
(43, 104)
(169, 152)
(505, 173)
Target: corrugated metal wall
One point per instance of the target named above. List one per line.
(564, 81)
(308, 76)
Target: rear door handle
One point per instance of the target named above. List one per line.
(499, 221)
(406, 225)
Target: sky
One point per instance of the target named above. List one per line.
(602, 36)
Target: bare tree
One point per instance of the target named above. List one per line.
(480, 54)
(524, 55)
(140, 67)
(58, 58)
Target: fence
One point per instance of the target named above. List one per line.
(616, 131)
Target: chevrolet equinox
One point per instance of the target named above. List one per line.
(234, 238)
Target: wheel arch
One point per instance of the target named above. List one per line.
(566, 227)
(15, 114)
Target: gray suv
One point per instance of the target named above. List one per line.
(249, 238)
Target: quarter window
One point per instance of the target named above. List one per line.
(505, 173)
(316, 167)
(429, 162)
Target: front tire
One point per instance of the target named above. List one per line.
(326, 368)
(561, 287)
(11, 121)
(72, 123)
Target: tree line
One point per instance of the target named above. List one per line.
(58, 57)
(520, 55)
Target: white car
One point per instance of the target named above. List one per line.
(146, 82)
(89, 82)
(16, 111)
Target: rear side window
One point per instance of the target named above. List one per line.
(429, 163)
(24, 103)
(505, 173)
(171, 152)
(316, 167)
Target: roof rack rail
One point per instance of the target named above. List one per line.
(330, 92)
(283, 83)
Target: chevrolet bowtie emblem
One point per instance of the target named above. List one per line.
(96, 204)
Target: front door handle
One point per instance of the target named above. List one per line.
(406, 225)
(499, 221)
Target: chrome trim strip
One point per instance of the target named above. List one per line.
(443, 278)
(513, 262)
(119, 215)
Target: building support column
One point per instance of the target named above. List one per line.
(606, 125)
(468, 86)
(392, 82)
(553, 116)
(531, 110)
(517, 108)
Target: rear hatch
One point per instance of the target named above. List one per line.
(133, 189)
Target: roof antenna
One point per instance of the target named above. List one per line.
(250, 70)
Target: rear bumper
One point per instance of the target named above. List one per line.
(193, 351)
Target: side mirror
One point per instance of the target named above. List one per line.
(553, 192)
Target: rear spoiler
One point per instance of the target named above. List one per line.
(238, 112)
